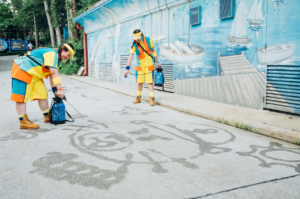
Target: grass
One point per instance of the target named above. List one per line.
(242, 126)
(291, 117)
(236, 125)
(247, 128)
(298, 143)
(225, 121)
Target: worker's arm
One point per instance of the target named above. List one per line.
(155, 57)
(56, 82)
(129, 59)
(128, 64)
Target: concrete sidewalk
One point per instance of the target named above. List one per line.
(274, 124)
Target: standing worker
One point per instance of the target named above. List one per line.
(144, 48)
(27, 80)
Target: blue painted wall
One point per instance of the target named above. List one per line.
(110, 25)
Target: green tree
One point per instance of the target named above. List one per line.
(49, 23)
(6, 17)
(32, 9)
(55, 20)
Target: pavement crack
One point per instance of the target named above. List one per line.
(246, 186)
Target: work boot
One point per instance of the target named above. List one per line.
(27, 124)
(46, 118)
(138, 99)
(152, 101)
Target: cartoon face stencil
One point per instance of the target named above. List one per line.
(151, 143)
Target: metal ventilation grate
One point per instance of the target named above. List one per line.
(226, 9)
(124, 59)
(168, 75)
(92, 69)
(195, 15)
(283, 88)
(105, 71)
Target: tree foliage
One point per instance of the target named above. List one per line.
(6, 16)
(25, 11)
(73, 66)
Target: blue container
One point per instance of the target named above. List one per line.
(59, 113)
(159, 78)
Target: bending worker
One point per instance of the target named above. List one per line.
(27, 80)
(144, 48)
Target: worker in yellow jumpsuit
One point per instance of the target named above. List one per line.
(27, 76)
(145, 53)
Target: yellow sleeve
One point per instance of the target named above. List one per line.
(132, 50)
(151, 44)
(50, 59)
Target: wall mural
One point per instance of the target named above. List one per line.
(219, 60)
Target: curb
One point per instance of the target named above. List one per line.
(256, 127)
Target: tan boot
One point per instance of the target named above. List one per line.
(46, 118)
(27, 124)
(138, 99)
(152, 101)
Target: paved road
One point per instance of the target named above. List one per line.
(121, 150)
(6, 62)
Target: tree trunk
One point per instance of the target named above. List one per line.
(50, 24)
(30, 34)
(70, 17)
(24, 31)
(57, 29)
(58, 35)
(35, 32)
(14, 11)
(74, 15)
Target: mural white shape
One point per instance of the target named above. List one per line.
(116, 66)
(238, 33)
(256, 17)
(94, 53)
(158, 38)
(179, 52)
(275, 53)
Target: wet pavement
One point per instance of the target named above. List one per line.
(117, 149)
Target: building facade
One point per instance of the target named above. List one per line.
(240, 52)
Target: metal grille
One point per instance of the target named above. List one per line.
(195, 15)
(283, 88)
(105, 71)
(92, 69)
(124, 59)
(168, 75)
(226, 9)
